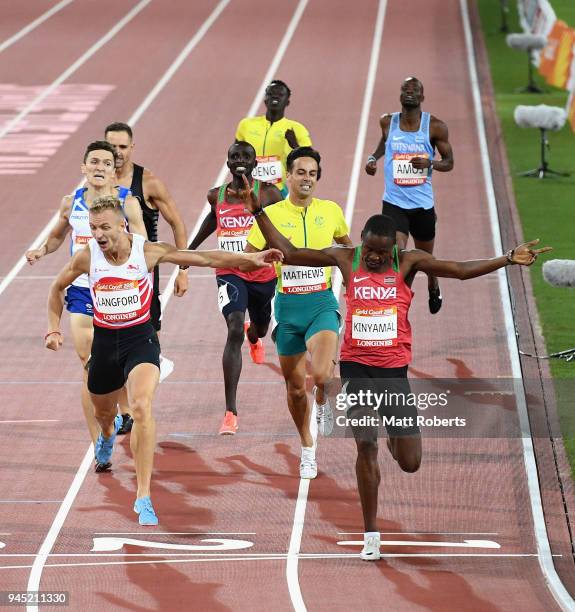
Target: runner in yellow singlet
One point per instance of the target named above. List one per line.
(305, 307)
(273, 136)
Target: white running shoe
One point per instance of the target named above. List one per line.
(323, 415)
(371, 544)
(308, 468)
(166, 368)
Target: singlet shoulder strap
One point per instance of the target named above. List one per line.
(425, 120)
(257, 185)
(222, 193)
(394, 123)
(123, 193)
(137, 175)
(356, 259)
(395, 259)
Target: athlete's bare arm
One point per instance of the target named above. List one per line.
(371, 166)
(162, 252)
(78, 264)
(159, 197)
(343, 240)
(420, 261)
(439, 138)
(57, 234)
(210, 222)
(134, 216)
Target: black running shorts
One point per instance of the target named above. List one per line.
(116, 352)
(240, 295)
(390, 391)
(419, 222)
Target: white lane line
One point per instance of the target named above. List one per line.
(31, 501)
(71, 69)
(299, 514)
(32, 421)
(277, 557)
(34, 24)
(270, 74)
(553, 581)
(11, 124)
(162, 533)
(415, 543)
(422, 533)
(48, 543)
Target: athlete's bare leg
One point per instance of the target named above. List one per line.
(232, 357)
(323, 351)
(293, 370)
(406, 450)
(82, 336)
(142, 383)
(368, 476)
(105, 410)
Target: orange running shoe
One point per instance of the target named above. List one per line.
(257, 350)
(229, 424)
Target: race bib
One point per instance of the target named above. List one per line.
(235, 244)
(404, 173)
(268, 170)
(81, 240)
(118, 300)
(374, 326)
(223, 297)
(303, 279)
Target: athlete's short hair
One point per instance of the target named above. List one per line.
(278, 82)
(118, 126)
(242, 143)
(304, 152)
(99, 145)
(380, 225)
(108, 202)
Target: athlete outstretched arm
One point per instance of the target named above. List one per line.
(162, 252)
(57, 234)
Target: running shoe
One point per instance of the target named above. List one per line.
(435, 300)
(127, 422)
(143, 507)
(308, 468)
(166, 368)
(257, 350)
(104, 447)
(323, 415)
(371, 550)
(229, 424)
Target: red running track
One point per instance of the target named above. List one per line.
(244, 491)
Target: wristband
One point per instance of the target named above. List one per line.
(182, 268)
(431, 164)
(52, 333)
(371, 159)
(509, 256)
(258, 212)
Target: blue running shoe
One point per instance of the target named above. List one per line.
(143, 507)
(105, 446)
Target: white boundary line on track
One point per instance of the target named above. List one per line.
(553, 581)
(301, 503)
(71, 69)
(65, 75)
(270, 74)
(34, 24)
(48, 543)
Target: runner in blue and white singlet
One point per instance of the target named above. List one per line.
(408, 142)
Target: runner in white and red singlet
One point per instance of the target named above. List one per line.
(376, 349)
(125, 350)
(239, 291)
